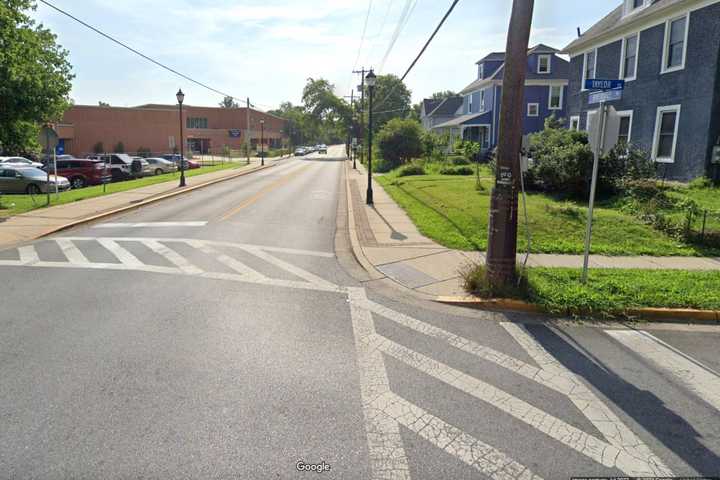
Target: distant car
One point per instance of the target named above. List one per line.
(322, 149)
(19, 161)
(187, 164)
(300, 152)
(140, 167)
(29, 180)
(159, 165)
(120, 165)
(81, 172)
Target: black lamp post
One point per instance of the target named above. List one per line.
(370, 80)
(181, 98)
(262, 142)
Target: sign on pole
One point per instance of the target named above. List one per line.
(48, 139)
(604, 84)
(604, 96)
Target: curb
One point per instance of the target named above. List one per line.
(147, 201)
(670, 315)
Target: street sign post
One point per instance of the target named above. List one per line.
(604, 96)
(49, 140)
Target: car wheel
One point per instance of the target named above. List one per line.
(32, 189)
(159, 171)
(77, 182)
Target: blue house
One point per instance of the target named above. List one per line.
(668, 53)
(545, 95)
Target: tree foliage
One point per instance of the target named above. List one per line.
(392, 99)
(229, 102)
(443, 95)
(399, 141)
(36, 77)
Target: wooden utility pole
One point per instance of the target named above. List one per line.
(502, 234)
(362, 111)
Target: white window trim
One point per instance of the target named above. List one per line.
(481, 71)
(549, 64)
(584, 71)
(576, 119)
(666, 44)
(627, 113)
(622, 56)
(629, 10)
(470, 103)
(482, 100)
(537, 112)
(562, 93)
(656, 137)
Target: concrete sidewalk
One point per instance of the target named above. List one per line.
(44, 221)
(389, 241)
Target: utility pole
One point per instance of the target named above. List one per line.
(502, 232)
(247, 130)
(362, 111)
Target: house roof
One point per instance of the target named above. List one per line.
(469, 119)
(615, 20)
(430, 104)
(448, 106)
(542, 48)
(495, 56)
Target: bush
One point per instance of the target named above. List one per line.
(408, 170)
(463, 170)
(475, 281)
(120, 147)
(399, 141)
(99, 148)
(700, 183)
(458, 160)
(143, 152)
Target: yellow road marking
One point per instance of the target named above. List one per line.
(249, 201)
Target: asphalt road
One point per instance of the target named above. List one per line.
(219, 334)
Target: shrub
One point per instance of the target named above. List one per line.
(475, 281)
(408, 170)
(458, 160)
(700, 183)
(399, 141)
(99, 148)
(143, 152)
(462, 170)
(120, 147)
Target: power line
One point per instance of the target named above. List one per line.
(402, 22)
(422, 51)
(149, 59)
(375, 43)
(364, 32)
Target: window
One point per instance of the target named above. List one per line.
(482, 100)
(628, 67)
(625, 127)
(589, 64)
(632, 6)
(544, 64)
(481, 71)
(575, 123)
(533, 109)
(197, 122)
(556, 97)
(675, 44)
(470, 102)
(666, 126)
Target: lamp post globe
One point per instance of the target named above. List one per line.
(370, 81)
(181, 98)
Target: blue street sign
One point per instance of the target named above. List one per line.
(600, 84)
(604, 96)
(235, 133)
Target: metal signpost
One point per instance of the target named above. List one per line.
(607, 91)
(49, 140)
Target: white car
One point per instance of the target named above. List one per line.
(19, 161)
(159, 165)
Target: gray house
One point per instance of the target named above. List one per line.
(435, 112)
(668, 53)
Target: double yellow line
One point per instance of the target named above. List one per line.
(257, 196)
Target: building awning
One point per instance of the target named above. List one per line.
(467, 120)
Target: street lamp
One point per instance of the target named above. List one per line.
(370, 80)
(262, 143)
(181, 98)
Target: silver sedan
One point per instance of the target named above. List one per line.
(158, 166)
(29, 180)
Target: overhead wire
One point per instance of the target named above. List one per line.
(402, 22)
(362, 37)
(137, 52)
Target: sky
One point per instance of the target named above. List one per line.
(267, 49)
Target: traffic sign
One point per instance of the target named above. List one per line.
(603, 84)
(48, 139)
(604, 96)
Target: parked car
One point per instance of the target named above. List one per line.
(29, 180)
(81, 172)
(187, 164)
(120, 165)
(159, 165)
(300, 152)
(322, 148)
(22, 161)
(140, 167)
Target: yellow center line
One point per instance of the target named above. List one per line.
(257, 196)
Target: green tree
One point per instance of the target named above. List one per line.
(103, 104)
(330, 115)
(229, 102)
(443, 95)
(120, 147)
(392, 99)
(99, 148)
(399, 141)
(35, 77)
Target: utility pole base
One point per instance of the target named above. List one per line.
(502, 249)
(369, 196)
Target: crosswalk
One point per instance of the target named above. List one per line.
(165, 249)
(611, 443)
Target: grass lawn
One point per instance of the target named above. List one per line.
(452, 212)
(15, 204)
(559, 290)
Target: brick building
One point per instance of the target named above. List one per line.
(157, 128)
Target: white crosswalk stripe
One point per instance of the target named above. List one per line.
(173, 257)
(125, 257)
(28, 255)
(71, 251)
(698, 378)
